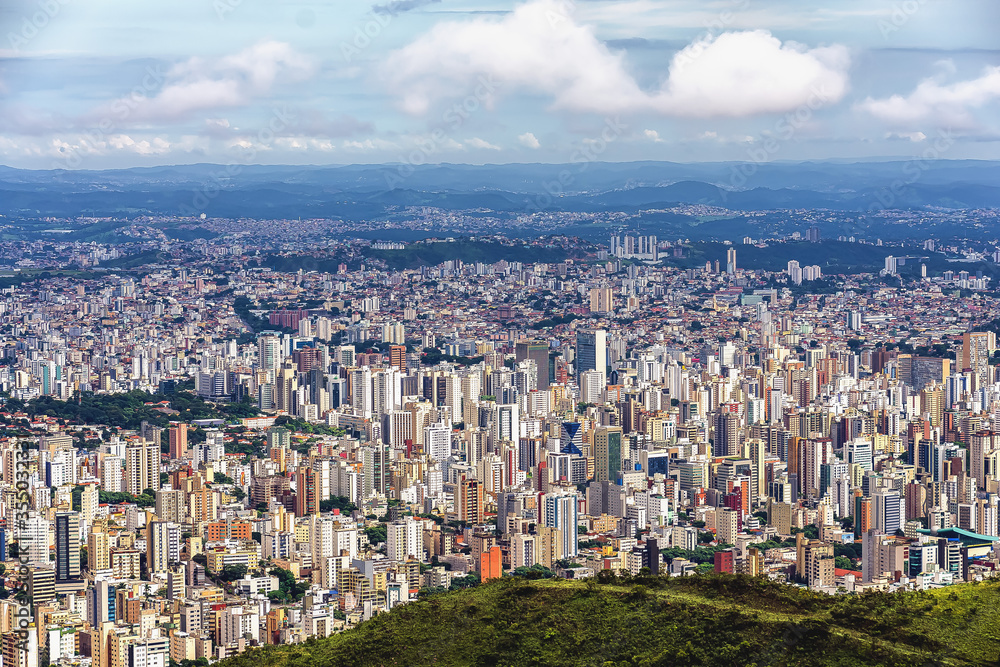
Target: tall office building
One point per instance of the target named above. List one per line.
(607, 453)
(101, 603)
(890, 512)
(67, 546)
(571, 438)
(731, 261)
(537, 351)
(591, 352)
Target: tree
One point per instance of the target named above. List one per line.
(232, 572)
(289, 588)
(376, 534)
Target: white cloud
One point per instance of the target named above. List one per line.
(369, 145)
(653, 136)
(476, 142)
(528, 139)
(303, 143)
(123, 142)
(199, 84)
(747, 73)
(81, 146)
(915, 137)
(936, 103)
(539, 49)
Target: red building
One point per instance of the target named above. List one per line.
(724, 562)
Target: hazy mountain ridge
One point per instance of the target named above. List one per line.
(306, 190)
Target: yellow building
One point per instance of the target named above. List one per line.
(216, 560)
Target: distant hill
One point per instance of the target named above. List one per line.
(356, 192)
(722, 621)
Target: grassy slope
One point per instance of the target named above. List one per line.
(658, 621)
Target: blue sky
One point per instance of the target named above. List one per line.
(114, 83)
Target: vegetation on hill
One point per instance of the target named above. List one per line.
(130, 409)
(702, 620)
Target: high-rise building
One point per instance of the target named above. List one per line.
(559, 511)
(268, 353)
(163, 546)
(470, 501)
(607, 453)
(537, 351)
(67, 546)
(977, 348)
(591, 351)
(397, 357)
(98, 551)
(89, 500)
(142, 467)
(890, 512)
(932, 404)
(727, 522)
(307, 492)
(437, 441)
(405, 539)
(571, 438)
(602, 300)
(727, 434)
(178, 440)
(731, 261)
(101, 603)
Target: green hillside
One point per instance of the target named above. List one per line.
(720, 621)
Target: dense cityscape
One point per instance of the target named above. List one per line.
(505, 333)
(201, 454)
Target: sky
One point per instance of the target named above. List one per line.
(96, 84)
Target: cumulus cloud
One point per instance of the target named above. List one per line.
(747, 73)
(482, 144)
(915, 137)
(538, 48)
(528, 139)
(652, 135)
(936, 103)
(200, 84)
(85, 145)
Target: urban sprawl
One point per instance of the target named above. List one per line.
(200, 454)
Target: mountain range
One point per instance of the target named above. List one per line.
(365, 192)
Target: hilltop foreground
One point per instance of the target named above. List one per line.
(714, 620)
